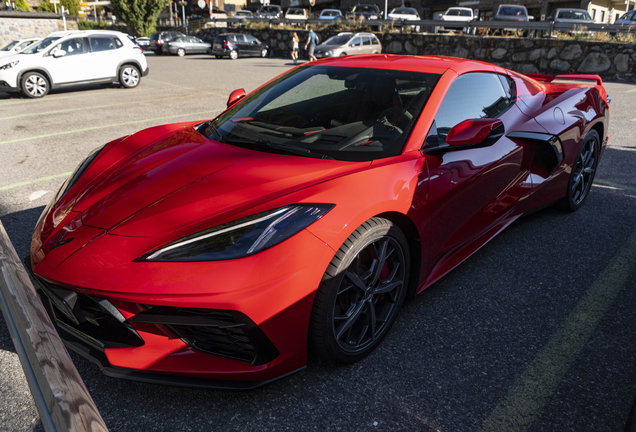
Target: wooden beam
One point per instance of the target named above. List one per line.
(60, 395)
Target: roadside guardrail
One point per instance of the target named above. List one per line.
(540, 28)
(60, 395)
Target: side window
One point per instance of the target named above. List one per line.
(366, 40)
(101, 43)
(509, 87)
(118, 43)
(375, 41)
(240, 38)
(356, 41)
(471, 96)
(250, 39)
(74, 46)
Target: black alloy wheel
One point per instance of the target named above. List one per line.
(361, 293)
(583, 172)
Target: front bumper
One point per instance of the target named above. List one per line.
(272, 290)
(8, 88)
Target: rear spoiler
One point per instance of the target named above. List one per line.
(566, 77)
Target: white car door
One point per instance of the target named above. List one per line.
(71, 66)
(104, 56)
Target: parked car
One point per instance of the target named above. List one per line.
(185, 45)
(296, 14)
(571, 16)
(365, 11)
(628, 18)
(17, 45)
(69, 58)
(512, 13)
(143, 42)
(269, 12)
(158, 39)
(219, 253)
(330, 15)
(456, 18)
(242, 15)
(235, 45)
(406, 14)
(347, 43)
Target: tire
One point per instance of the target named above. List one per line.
(343, 54)
(129, 76)
(218, 56)
(233, 54)
(181, 52)
(35, 85)
(264, 53)
(355, 305)
(583, 172)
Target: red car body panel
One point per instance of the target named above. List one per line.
(167, 182)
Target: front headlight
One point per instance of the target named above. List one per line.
(243, 237)
(373, 17)
(9, 65)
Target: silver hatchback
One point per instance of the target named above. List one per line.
(347, 43)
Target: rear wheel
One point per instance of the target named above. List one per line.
(233, 54)
(264, 52)
(360, 293)
(34, 85)
(129, 76)
(181, 52)
(583, 172)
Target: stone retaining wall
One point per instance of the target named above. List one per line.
(612, 61)
(14, 25)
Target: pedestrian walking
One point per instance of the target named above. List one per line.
(295, 42)
(312, 41)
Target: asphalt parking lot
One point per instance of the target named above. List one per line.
(534, 332)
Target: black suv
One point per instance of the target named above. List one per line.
(158, 39)
(234, 45)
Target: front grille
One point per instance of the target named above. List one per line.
(225, 333)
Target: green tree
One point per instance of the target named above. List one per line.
(21, 5)
(72, 6)
(139, 14)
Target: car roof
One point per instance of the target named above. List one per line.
(85, 33)
(330, 10)
(459, 7)
(426, 63)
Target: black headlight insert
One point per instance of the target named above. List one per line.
(243, 237)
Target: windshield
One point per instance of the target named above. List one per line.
(404, 11)
(350, 114)
(338, 40)
(243, 13)
(40, 46)
(365, 8)
(296, 12)
(458, 12)
(511, 11)
(270, 9)
(330, 13)
(573, 14)
(11, 45)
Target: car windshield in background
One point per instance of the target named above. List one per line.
(350, 114)
(329, 13)
(296, 12)
(8, 47)
(570, 14)
(40, 46)
(361, 9)
(270, 9)
(458, 12)
(404, 11)
(511, 11)
(338, 40)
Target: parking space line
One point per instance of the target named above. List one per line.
(171, 85)
(103, 106)
(54, 97)
(631, 91)
(531, 391)
(614, 185)
(25, 183)
(107, 126)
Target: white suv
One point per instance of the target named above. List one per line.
(73, 57)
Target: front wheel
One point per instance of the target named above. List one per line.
(264, 53)
(583, 172)
(233, 54)
(360, 293)
(129, 76)
(35, 85)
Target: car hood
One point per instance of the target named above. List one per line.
(456, 18)
(573, 21)
(171, 179)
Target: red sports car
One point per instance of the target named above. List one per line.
(217, 253)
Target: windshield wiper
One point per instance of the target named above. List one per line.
(209, 127)
(289, 148)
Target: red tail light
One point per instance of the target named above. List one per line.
(139, 48)
(227, 44)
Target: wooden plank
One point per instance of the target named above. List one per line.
(63, 400)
